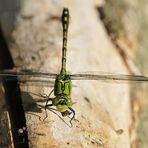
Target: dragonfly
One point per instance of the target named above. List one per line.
(62, 90)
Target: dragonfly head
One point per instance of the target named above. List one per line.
(63, 104)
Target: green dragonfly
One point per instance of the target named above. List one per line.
(63, 81)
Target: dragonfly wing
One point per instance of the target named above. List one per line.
(25, 73)
(36, 83)
(109, 77)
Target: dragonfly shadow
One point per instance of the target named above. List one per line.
(29, 103)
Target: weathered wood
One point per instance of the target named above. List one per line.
(101, 108)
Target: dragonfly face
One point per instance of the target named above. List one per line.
(62, 103)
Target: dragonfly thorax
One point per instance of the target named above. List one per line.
(63, 86)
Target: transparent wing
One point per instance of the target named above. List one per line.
(27, 77)
(109, 77)
(25, 73)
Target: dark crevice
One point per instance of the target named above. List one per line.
(13, 99)
(107, 23)
(102, 17)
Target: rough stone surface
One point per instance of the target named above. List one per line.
(101, 108)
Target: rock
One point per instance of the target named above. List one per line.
(102, 109)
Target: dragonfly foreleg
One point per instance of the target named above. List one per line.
(48, 97)
(47, 105)
(73, 117)
(50, 93)
(55, 112)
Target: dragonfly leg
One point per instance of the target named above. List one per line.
(48, 97)
(73, 117)
(47, 105)
(45, 95)
(50, 93)
(55, 112)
